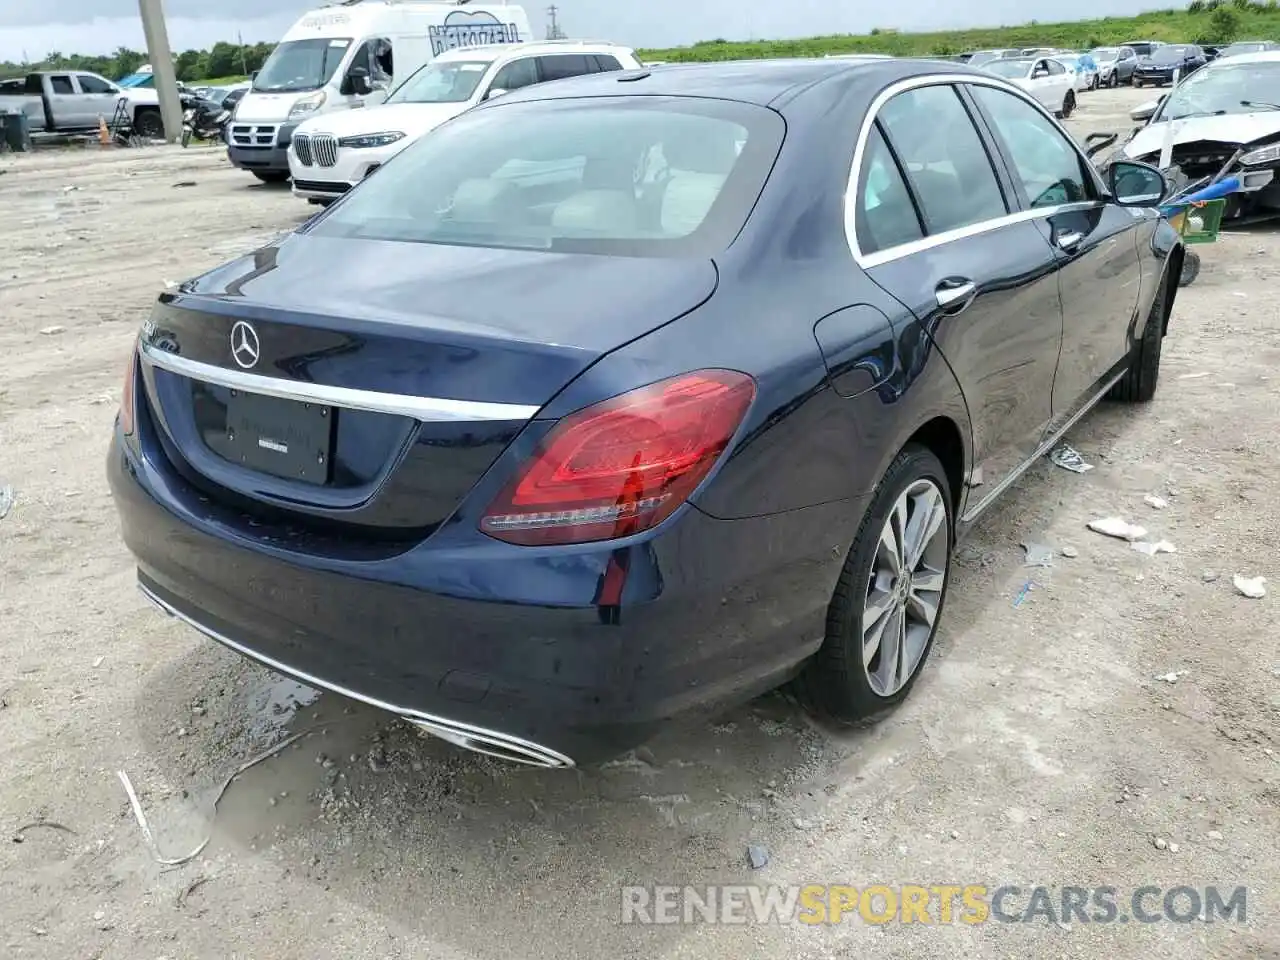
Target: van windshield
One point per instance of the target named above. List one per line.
(299, 65)
(452, 81)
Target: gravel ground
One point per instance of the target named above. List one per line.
(1045, 744)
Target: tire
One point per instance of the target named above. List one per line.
(148, 124)
(186, 136)
(1135, 81)
(271, 176)
(1138, 385)
(1190, 269)
(1114, 80)
(835, 684)
(1068, 104)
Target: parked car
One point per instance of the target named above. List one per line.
(1248, 46)
(1167, 62)
(978, 58)
(1045, 79)
(1143, 48)
(333, 152)
(403, 453)
(70, 101)
(1227, 114)
(1081, 67)
(1115, 65)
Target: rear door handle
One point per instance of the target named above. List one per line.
(955, 294)
(1068, 241)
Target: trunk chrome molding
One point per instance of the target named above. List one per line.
(425, 409)
(492, 743)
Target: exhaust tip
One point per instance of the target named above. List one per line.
(496, 745)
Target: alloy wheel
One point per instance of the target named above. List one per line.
(904, 591)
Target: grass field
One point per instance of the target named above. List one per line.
(1201, 22)
(1233, 21)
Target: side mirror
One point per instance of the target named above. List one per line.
(495, 92)
(358, 81)
(1147, 110)
(1135, 184)
(1038, 73)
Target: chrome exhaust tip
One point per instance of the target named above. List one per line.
(492, 744)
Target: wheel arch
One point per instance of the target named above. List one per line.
(943, 437)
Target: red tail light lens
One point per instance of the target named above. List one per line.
(126, 395)
(622, 466)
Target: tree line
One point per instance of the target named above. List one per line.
(221, 60)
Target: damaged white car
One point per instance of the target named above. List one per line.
(1223, 120)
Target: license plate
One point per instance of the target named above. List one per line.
(285, 438)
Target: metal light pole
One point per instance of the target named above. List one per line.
(161, 57)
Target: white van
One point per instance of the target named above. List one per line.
(330, 154)
(349, 55)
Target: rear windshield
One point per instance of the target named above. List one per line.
(1013, 69)
(627, 176)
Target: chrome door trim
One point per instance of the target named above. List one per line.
(1040, 451)
(426, 409)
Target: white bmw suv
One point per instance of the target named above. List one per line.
(331, 153)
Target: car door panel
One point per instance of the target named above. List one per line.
(979, 282)
(1094, 244)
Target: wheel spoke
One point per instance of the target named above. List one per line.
(928, 517)
(873, 636)
(888, 552)
(923, 607)
(927, 580)
(890, 651)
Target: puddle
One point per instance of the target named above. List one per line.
(271, 706)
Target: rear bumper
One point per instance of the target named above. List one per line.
(459, 642)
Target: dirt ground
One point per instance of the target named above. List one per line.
(1041, 747)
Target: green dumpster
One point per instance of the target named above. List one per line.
(14, 132)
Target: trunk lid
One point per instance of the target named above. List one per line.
(383, 378)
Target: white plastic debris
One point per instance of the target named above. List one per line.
(1038, 554)
(1194, 376)
(1118, 527)
(1152, 500)
(1171, 677)
(6, 500)
(1068, 458)
(52, 331)
(1151, 549)
(1252, 587)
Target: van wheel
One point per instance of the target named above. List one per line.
(888, 602)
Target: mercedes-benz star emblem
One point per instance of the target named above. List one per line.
(244, 344)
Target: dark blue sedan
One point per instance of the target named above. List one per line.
(638, 394)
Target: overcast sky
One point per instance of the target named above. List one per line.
(99, 26)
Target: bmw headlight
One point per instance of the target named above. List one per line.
(368, 140)
(1269, 154)
(308, 104)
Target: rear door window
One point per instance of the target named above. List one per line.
(564, 65)
(945, 161)
(61, 84)
(606, 63)
(885, 215)
(516, 74)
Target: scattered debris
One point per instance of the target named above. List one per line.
(1151, 549)
(1194, 376)
(19, 835)
(1118, 527)
(52, 331)
(1070, 551)
(1214, 834)
(6, 501)
(1173, 847)
(70, 188)
(1209, 576)
(1038, 554)
(1172, 676)
(97, 662)
(1068, 458)
(1160, 843)
(192, 887)
(757, 857)
(1022, 594)
(1152, 500)
(141, 817)
(186, 183)
(1252, 587)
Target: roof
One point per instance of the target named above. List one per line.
(1261, 56)
(493, 51)
(761, 82)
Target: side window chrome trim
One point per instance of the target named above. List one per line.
(889, 254)
(860, 149)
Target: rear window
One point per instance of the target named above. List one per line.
(626, 176)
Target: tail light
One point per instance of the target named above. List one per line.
(624, 465)
(126, 395)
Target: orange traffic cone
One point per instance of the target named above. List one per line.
(104, 135)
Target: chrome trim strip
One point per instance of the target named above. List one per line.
(476, 739)
(929, 80)
(1041, 450)
(426, 409)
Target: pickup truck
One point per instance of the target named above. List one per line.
(66, 101)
